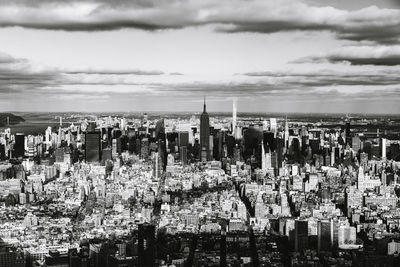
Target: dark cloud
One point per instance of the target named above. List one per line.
(18, 76)
(332, 78)
(371, 23)
(8, 59)
(175, 73)
(115, 72)
(19, 79)
(358, 55)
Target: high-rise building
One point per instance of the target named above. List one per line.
(183, 139)
(106, 154)
(347, 235)
(10, 257)
(348, 133)
(162, 146)
(93, 145)
(183, 155)
(234, 111)
(301, 235)
(146, 245)
(286, 132)
(356, 143)
(205, 134)
(324, 235)
(383, 148)
(157, 165)
(59, 153)
(19, 145)
(273, 126)
(144, 148)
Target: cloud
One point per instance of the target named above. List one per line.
(371, 23)
(20, 81)
(18, 76)
(329, 77)
(358, 55)
(114, 72)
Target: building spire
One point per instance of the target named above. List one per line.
(204, 108)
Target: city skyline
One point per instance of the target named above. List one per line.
(302, 56)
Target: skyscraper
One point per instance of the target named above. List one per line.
(234, 111)
(324, 235)
(183, 138)
(183, 155)
(301, 235)
(92, 143)
(205, 134)
(286, 132)
(146, 245)
(383, 148)
(19, 145)
(348, 133)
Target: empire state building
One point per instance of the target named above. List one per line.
(205, 134)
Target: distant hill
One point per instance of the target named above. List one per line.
(14, 119)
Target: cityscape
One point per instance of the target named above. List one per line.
(191, 133)
(190, 190)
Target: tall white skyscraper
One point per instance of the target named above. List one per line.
(48, 134)
(234, 118)
(383, 148)
(286, 132)
(263, 162)
(273, 125)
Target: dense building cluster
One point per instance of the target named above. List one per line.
(107, 191)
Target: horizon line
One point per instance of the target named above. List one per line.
(215, 112)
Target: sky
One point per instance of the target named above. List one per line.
(317, 56)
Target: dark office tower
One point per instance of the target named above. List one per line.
(106, 154)
(144, 148)
(130, 144)
(301, 235)
(19, 145)
(92, 144)
(172, 139)
(222, 259)
(324, 236)
(59, 155)
(162, 150)
(146, 245)
(279, 151)
(116, 133)
(183, 139)
(160, 130)
(137, 147)
(183, 155)
(368, 149)
(119, 145)
(304, 141)
(205, 133)
(91, 127)
(160, 138)
(314, 144)
(217, 148)
(394, 151)
(269, 138)
(125, 143)
(2, 151)
(348, 134)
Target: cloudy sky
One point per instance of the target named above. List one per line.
(155, 55)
